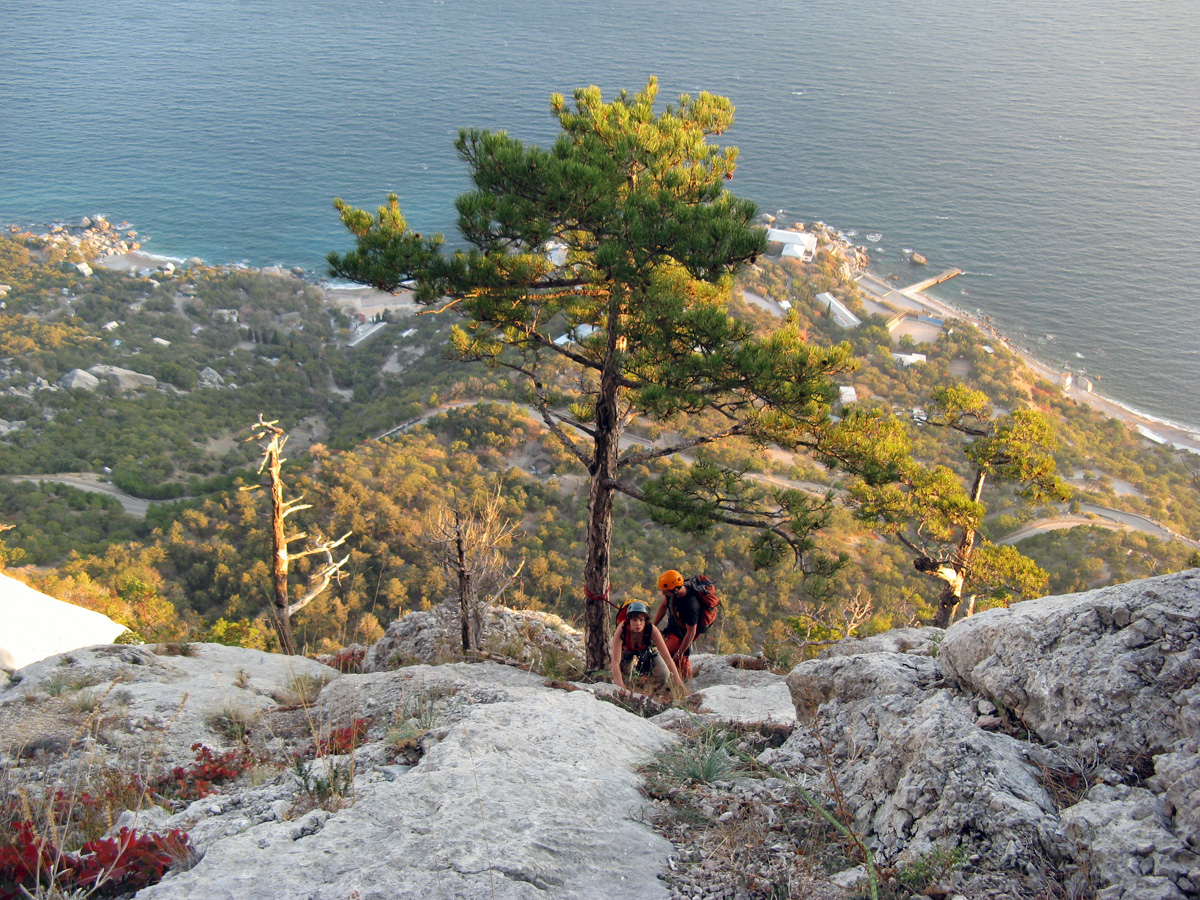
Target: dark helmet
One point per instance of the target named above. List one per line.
(637, 606)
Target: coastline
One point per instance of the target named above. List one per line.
(367, 302)
(354, 298)
(134, 261)
(1151, 428)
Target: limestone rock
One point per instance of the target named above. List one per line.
(523, 792)
(918, 641)
(209, 377)
(433, 636)
(1105, 684)
(1117, 666)
(78, 378)
(861, 677)
(37, 625)
(730, 693)
(910, 754)
(187, 691)
(1126, 836)
(124, 379)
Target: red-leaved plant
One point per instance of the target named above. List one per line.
(107, 867)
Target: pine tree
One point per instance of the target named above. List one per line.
(598, 271)
(936, 516)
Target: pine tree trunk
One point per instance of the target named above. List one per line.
(948, 601)
(955, 576)
(464, 585)
(600, 515)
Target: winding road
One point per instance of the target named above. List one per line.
(86, 481)
(1099, 516)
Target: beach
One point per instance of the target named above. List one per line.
(1152, 429)
(132, 262)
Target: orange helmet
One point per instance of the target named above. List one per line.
(670, 580)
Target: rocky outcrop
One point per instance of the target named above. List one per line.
(1054, 745)
(124, 379)
(78, 378)
(210, 378)
(1097, 773)
(435, 636)
(1115, 668)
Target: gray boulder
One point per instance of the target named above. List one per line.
(124, 379)
(78, 378)
(1099, 771)
(1116, 666)
(435, 636)
(917, 641)
(210, 378)
(910, 754)
(1129, 839)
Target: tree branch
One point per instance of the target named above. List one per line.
(636, 459)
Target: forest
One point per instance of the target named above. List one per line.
(196, 567)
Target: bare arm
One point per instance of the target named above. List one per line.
(661, 644)
(688, 637)
(617, 644)
(662, 608)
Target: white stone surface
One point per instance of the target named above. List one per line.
(36, 625)
(1096, 690)
(524, 792)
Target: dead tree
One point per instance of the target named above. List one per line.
(271, 439)
(467, 541)
(855, 612)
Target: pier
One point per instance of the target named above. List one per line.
(930, 282)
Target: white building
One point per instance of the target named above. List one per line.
(575, 335)
(796, 244)
(837, 309)
(909, 359)
(556, 252)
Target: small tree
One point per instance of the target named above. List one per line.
(272, 439)
(937, 517)
(467, 541)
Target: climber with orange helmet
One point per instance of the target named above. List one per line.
(682, 606)
(636, 640)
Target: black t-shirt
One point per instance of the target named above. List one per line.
(682, 612)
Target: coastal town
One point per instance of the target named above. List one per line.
(909, 310)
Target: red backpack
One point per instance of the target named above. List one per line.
(706, 591)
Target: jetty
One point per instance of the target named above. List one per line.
(930, 282)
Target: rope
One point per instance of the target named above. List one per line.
(592, 598)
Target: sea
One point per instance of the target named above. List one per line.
(1049, 150)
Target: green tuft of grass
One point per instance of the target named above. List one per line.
(708, 758)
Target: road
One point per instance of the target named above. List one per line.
(85, 481)
(1100, 516)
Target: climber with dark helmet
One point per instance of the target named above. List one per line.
(681, 605)
(636, 641)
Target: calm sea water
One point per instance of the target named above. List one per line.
(1051, 150)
